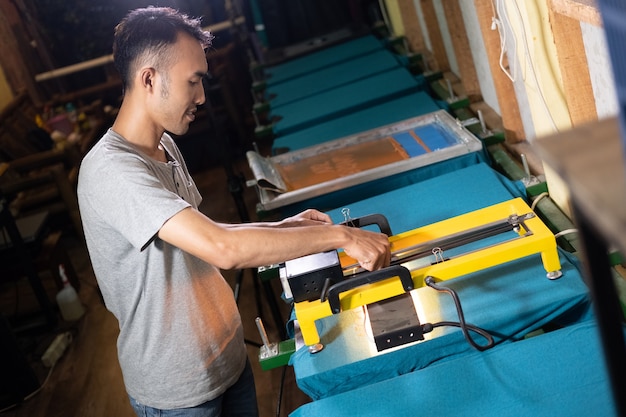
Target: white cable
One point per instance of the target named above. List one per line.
(536, 200)
(565, 232)
(532, 68)
(499, 21)
(506, 21)
(32, 394)
(534, 205)
(499, 25)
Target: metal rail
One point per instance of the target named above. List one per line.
(475, 234)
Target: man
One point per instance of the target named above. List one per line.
(156, 257)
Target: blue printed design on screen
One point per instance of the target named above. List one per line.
(433, 136)
(409, 144)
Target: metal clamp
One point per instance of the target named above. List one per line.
(370, 219)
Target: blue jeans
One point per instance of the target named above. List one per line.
(238, 401)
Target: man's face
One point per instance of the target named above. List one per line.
(180, 89)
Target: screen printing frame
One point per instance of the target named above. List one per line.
(272, 191)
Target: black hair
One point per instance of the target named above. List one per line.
(147, 33)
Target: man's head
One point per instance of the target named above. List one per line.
(145, 38)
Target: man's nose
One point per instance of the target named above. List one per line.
(201, 98)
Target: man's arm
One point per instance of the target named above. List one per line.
(308, 217)
(253, 245)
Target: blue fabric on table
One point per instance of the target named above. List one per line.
(332, 55)
(391, 111)
(561, 373)
(325, 79)
(343, 100)
(510, 300)
(446, 193)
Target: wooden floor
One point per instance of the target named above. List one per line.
(86, 381)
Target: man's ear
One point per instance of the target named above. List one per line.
(147, 78)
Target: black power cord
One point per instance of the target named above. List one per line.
(465, 327)
(280, 391)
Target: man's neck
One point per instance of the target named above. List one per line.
(135, 126)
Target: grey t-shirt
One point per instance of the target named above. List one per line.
(181, 339)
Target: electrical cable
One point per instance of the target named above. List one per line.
(32, 394)
(532, 68)
(499, 20)
(496, 23)
(562, 232)
(280, 391)
(537, 199)
(565, 232)
(465, 327)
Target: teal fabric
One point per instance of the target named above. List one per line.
(447, 192)
(316, 82)
(315, 61)
(391, 111)
(510, 300)
(344, 100)
(561, 373)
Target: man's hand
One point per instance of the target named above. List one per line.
(372, 250)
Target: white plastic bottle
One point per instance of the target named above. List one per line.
(67, 299)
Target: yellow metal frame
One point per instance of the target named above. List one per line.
(541, 241)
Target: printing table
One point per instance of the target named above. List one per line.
(391, 111)
(333, 76)
(316, 61)
(509, 300)
(344, 100)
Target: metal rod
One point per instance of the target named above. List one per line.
(454, 240)
(450, 90)
(483, 126)
(525, 165)
(406, 45)
(262, 332)
(383, 11)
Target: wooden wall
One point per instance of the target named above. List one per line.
(533, 67)
(545, 49)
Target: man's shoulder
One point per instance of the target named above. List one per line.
(108, 156)
(110, 149)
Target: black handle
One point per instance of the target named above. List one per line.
(377, 219)
(368, 278)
